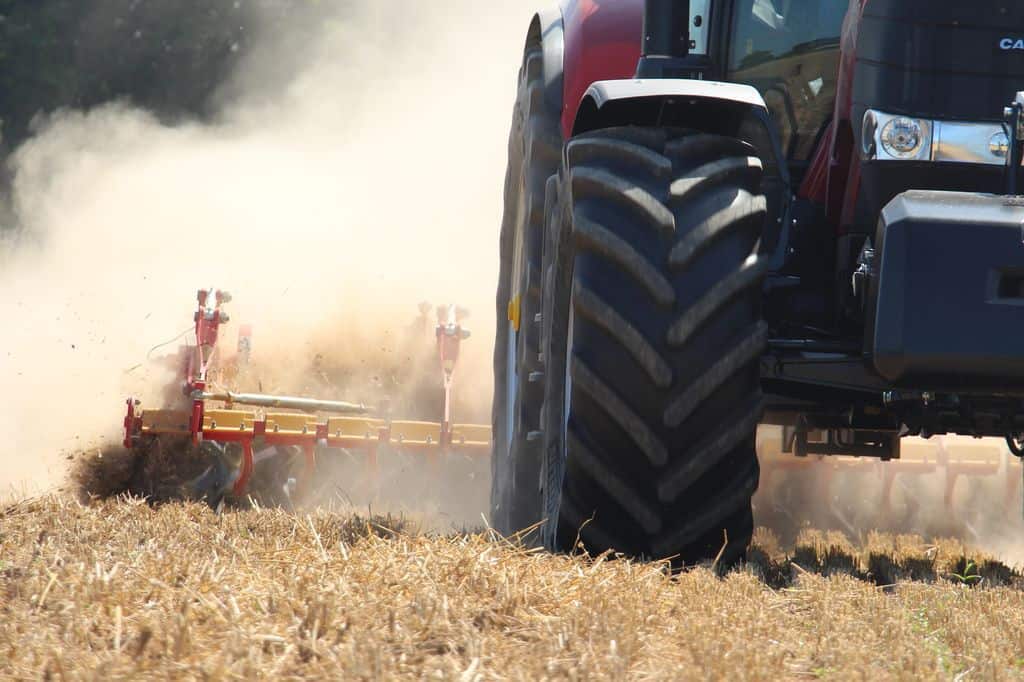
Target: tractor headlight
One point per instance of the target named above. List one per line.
(895, 137)
(905, 137)
(889, 137)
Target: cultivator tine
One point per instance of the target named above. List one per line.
(953, 461)
(309, 468)
(976, 460)
(1014, 483)
(1016, 449)
(248, 465)
(916, 459)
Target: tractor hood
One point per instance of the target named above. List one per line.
(954, 60)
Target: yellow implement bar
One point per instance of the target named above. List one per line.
(300, 426)
(167, 422)
(354, 427)
(291, 423)
(471, 434)
(235, 421)
(415, 433)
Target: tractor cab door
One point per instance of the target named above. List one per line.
(789, 51)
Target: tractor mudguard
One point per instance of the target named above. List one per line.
(547, 30)
(727, 109)
(602, 42)
(697, 104)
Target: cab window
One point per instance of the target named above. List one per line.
(789, 51)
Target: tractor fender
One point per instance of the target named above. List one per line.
(548, 32)
(729, 109)
(702, 105)
(602, 42)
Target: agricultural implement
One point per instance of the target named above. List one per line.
(262, 426)
(942, 473)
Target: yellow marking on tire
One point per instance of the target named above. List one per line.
(515, 311)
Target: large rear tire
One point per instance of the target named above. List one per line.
(534, 154)
(652, 339)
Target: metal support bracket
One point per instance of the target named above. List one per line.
(1013, 124)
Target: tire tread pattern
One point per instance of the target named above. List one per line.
(661, 459)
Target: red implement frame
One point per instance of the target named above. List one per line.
(308, 431)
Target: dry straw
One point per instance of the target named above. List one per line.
(120, 589)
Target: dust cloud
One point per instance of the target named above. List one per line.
(355, 169)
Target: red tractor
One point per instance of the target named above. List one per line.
(726, 213)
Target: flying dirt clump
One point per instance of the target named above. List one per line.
(330, 199)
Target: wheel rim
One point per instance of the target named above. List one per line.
(561, 453)
(512, 354)
(567, 383)
(511, 388)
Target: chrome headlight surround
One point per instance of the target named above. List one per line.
(894, 137)
(939, 141)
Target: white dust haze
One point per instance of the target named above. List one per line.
(362, 175)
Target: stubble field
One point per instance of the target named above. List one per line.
(121, 589)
